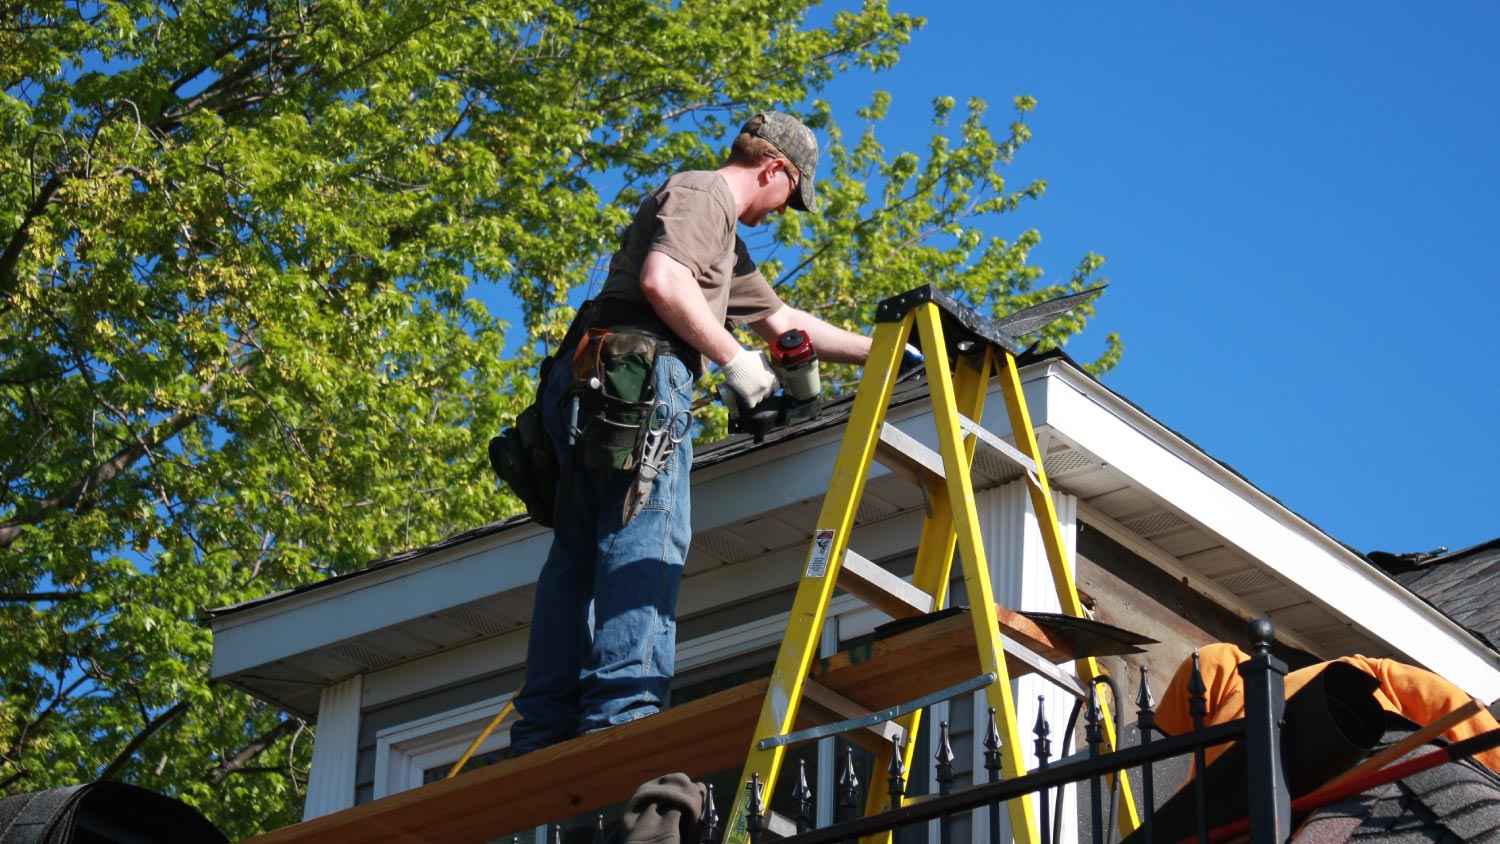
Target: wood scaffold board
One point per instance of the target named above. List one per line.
(698, 738)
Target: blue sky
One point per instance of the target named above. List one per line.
(1295, 205)
(1294, 201)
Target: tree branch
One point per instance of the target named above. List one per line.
(142, 737)
(21, 773)
(31, 597)
(22, 234)
(280, 772)
(57, 700)
(97, 477)
(237, 762)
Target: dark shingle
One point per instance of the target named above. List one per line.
(1462, 585)
(1453, 803)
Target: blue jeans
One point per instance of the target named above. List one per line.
(604, 625)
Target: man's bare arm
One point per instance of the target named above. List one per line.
(833, 344)
(673, 293)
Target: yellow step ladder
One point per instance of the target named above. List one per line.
(947, 333)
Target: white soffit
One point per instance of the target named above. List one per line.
(1153, 458)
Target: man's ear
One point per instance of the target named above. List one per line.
(769, 170)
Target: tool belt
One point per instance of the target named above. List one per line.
(615, 344)
(625, 316)
(612, 380)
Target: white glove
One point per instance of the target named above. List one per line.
(749, 374)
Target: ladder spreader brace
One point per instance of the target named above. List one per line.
(944, 330)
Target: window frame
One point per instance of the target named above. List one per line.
(403, 753)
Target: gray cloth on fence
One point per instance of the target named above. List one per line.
(665, 810)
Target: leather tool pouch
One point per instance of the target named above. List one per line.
(523, 458)
(619, 411)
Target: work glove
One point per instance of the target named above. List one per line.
(749, 374)
(912, 363)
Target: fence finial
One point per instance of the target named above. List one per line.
(708, 829)
(754, 822)
(1093, 721)
(896, 773)
(992, 748)
(1262, 635)
(1043, 732)
(1197, 694)
(944, 759)
(848, 787)
(1145, 703)
(803, 794)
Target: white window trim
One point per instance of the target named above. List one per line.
(404, 752)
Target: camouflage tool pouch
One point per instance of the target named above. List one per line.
(523, 458)
(621, 408)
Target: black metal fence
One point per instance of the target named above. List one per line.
(1259, 805)
(1266, 817)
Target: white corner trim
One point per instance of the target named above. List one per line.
(404, 752)
(1022, 578)
(330, 783)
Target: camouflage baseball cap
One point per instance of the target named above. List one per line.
(797, 143)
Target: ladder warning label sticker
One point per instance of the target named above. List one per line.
(817, 565)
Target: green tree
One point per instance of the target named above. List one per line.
(238, 346)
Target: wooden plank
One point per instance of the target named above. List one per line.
(698, 738)
(1033, 636)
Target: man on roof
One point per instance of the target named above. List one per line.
(603, 631)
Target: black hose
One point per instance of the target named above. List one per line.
(1114, 693)
(1057, 804)
(1114, 789)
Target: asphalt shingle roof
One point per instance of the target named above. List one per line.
(1462, 584)
(1449, 804)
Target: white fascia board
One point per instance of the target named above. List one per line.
(723, 494)
(1181, 476)
(372, 600)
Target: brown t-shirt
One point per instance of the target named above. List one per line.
(691, 219)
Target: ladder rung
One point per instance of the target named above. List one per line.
(1067, 682)
(879, 588)
(844, 709)
(870, 720)
(780, 825)
(989, 439)
(902, 454)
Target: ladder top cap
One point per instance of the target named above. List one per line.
(963, 327)
(960, 322)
